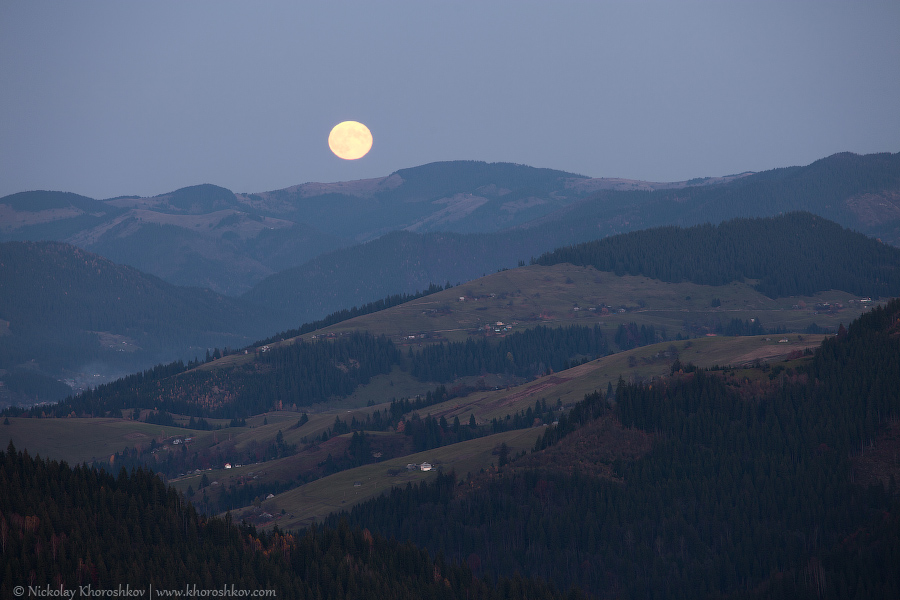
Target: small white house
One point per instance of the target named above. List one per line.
(227, 465)
(425, 466)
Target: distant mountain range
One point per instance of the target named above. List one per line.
(208, 236)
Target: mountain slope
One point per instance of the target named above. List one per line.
(208, 236)
(65, 310)
(720, 484)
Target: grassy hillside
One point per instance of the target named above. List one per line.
(532, 295)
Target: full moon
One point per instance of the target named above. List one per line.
(350, 140)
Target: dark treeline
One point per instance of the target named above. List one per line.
(380, 420)
(430, 432)
(748, 486)
(109, 398)
(164, 418)
(630, 336)
(63, 527)
(796, 254)
(592, 407)
(312, 372)
(527, 353)
(347, 314)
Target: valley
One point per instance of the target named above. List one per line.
(617, 372)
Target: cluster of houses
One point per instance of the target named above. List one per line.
(498, 327)
(422, 467)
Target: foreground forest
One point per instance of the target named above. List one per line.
(64, 528)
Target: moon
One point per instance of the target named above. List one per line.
(350, 140)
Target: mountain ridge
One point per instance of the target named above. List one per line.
(235, 240)
(208, 236)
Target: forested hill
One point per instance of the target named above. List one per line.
(792, 254)
(66, 308)
(64, 528)
(758, 483)
(307, 373)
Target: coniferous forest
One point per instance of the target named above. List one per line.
(71, 527)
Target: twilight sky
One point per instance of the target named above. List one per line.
(114, 98)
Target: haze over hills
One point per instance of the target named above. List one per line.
(208, 236)
(69, 314)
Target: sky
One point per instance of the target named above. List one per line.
(141, 98)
